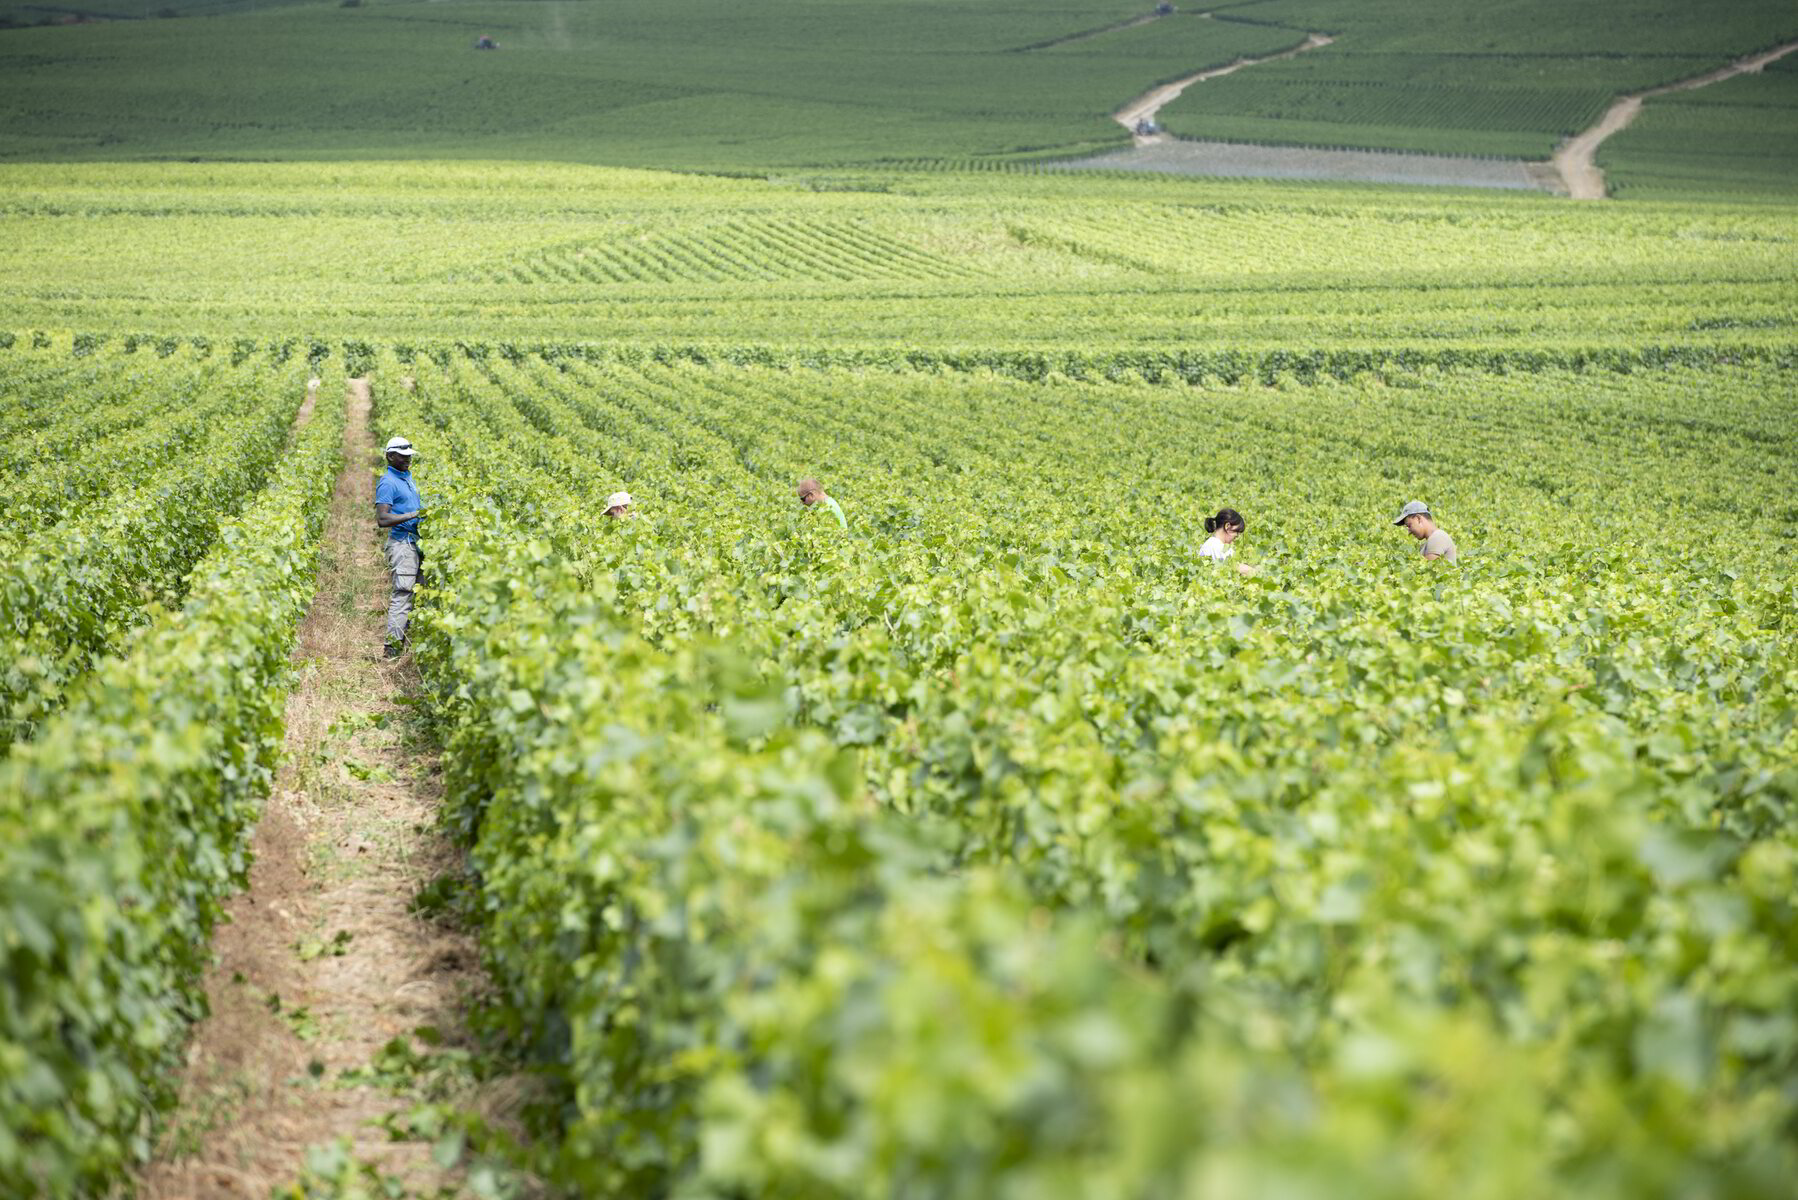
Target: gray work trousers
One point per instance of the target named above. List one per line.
(402, 559)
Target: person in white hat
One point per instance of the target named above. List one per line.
(618, 504)
(1416, 519)
(398, 509)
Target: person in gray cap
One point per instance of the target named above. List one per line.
(398, 509)
(1416, 518)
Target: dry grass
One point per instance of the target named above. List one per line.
(345, 842)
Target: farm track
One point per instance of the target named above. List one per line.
(320, 962)
(1576, 160)
(1151, 102)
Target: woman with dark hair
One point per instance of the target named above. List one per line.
(1224, 529)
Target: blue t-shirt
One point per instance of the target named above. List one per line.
(396, 491)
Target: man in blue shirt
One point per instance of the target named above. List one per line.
(398, 510)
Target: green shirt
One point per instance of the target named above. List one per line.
(830, 503)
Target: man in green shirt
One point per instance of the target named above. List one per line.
(812, 492)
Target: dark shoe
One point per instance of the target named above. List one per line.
(395, 649)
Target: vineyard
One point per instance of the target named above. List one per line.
(892, 262)
(973, 835)
(1674, 146)
(977, 850)
(147, 634)
(1467, 79)
(734, 250)
(110, 502)
(807, 84)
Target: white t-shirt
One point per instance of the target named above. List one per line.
(1216, 549)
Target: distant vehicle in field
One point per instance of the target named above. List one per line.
(1164, 10)
(1147, 128)
(485, 43)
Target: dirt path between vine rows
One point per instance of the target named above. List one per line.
(1151, 102)
(320, 962)
(1575, 161)
(303, 418)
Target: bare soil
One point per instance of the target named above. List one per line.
(1181, 156)
(321, 962)
(303, 417)
(1576, 160)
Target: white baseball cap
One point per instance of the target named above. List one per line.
(400, 445)
(618, 498)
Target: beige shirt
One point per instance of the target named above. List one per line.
(1441, 545)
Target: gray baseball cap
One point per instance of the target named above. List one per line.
(1417, 508)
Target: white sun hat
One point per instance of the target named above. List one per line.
(618, 498)
(399, 445)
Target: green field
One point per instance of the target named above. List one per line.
(980, 845)
(148, 627)
(707, 85)
(1736, 139)
(1004, 779)
(923, 260)
(1507, 80)
(90, 537)
(620, 83)
(998, 845)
